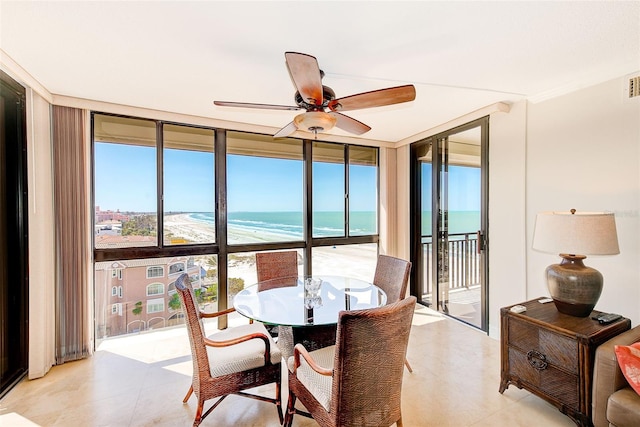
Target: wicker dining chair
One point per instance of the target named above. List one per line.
(271, 266)
(229, 361)
(275, 265)
(358, 381)
(392, 276)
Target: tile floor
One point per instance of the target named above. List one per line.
(140, 381)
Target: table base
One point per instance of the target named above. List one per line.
(311, 337)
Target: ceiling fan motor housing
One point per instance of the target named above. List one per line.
(328, 95)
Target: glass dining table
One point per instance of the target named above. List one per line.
(306, 308)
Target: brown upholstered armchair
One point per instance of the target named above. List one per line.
(230, 361)
(614, 403)
(358, 381)
(392, 276)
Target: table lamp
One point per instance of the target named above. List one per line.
(574, 287)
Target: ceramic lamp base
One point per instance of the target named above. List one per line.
(574, 287)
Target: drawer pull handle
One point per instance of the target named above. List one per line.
(537, 360)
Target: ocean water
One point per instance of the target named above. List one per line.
(325, 224)
(458, 222)
(330, 224)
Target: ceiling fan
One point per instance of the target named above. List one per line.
(322, 108)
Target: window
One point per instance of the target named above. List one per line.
(116, 309)
(139, 289)
(159, 190)
(155, 271)
(359, 260)
(155, 289)
(155, 305)
(124, 153)
(188, 185)
(116, 273)
(265, 188)
(171, 289)
(339, 209)
(176, 268)
(363, 191)
(328, 190)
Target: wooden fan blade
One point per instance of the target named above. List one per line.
(350, 124)
(305, 74)
(375, 98)
(251, 105)
(286, 131)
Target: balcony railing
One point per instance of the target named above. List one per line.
(461, 262)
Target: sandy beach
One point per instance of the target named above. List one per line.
(357, 261)
(182, 226)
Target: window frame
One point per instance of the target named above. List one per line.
(221, 248)
(116, 308)
(156, 284)
(155, 302)
(175, 264)
(161, 267)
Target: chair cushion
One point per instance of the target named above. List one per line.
(623, 408)
(629, 360)
(318, 385)
(243, 356)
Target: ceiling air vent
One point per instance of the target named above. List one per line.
(634, 87)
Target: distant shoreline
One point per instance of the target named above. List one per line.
(197, 231)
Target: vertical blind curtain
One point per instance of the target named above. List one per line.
(73, 314)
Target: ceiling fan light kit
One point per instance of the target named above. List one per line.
(315, 121)
(316, 99)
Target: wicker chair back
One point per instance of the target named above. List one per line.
(392, 276)
(275, 265)
(366, 379)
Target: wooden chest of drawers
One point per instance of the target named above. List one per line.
(551, 355)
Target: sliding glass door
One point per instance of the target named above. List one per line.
(449, 227)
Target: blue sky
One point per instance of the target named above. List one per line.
(464, 188)
(125, 179)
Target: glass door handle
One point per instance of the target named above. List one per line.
(480, 237)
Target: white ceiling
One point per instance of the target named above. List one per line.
(179, 56)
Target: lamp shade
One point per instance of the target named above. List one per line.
(578, 233)
(315, 121)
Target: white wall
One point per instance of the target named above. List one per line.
(507, 211)
(583, 152)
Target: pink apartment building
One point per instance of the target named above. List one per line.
(136, 295)
(103, 216)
